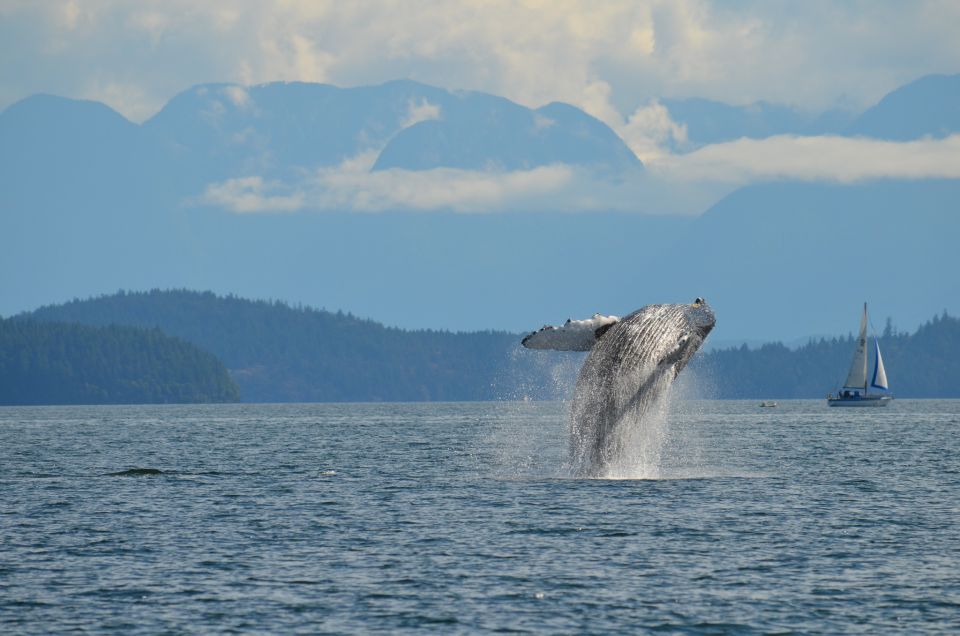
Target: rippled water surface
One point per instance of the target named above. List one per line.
(458, 518)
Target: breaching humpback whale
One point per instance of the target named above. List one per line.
(632, 361)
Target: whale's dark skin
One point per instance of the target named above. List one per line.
(629, 366)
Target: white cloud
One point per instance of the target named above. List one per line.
(672, 184)
(353, 187)
(825, 158)
(130, 94)
(252, 194)
(420, 111)
(437, 189)
(606, 57)
(238, 96)
(541, 122)
(70, 14)
(153, 23)
(650, 132)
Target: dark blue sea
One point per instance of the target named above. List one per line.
(460, 518)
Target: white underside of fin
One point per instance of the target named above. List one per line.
(573, 335)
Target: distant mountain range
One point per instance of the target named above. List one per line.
(214, 131)
(91, 203)
(927, 107)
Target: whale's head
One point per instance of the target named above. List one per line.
(700, 321)
(701, 318)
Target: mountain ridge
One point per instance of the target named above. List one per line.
(926, 107)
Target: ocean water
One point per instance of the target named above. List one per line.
(460, 518)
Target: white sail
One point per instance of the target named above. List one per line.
(879, 373)
(857, 378)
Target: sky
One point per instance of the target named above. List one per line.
(614, 59)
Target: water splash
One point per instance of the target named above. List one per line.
(629, 447)
(643, 439)
(528, 436)
(531, 440)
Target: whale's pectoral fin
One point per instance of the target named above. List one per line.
(671, 358)
(679, 356)
(599, 331)
(573, 335)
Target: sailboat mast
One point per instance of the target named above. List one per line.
(863, 338)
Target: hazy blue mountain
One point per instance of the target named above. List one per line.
(62, 148)
(228, 130)
(92, 202)
(54, 149)
(231, 130)
(84, 195)
(784, 260)
(64, 237)
(710, 122)
(929, 106)
(480, 131)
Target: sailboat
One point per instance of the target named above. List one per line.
(855, 389)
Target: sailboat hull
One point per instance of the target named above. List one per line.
(863, 400)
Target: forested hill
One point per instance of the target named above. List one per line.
(925, 364)
(57, 363)
(279, 353)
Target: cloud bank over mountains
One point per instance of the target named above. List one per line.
(683, 83)
(301, 147)
(353, 187)
(609, 58)
(820, 158)
(423, 148)
(678, 184)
